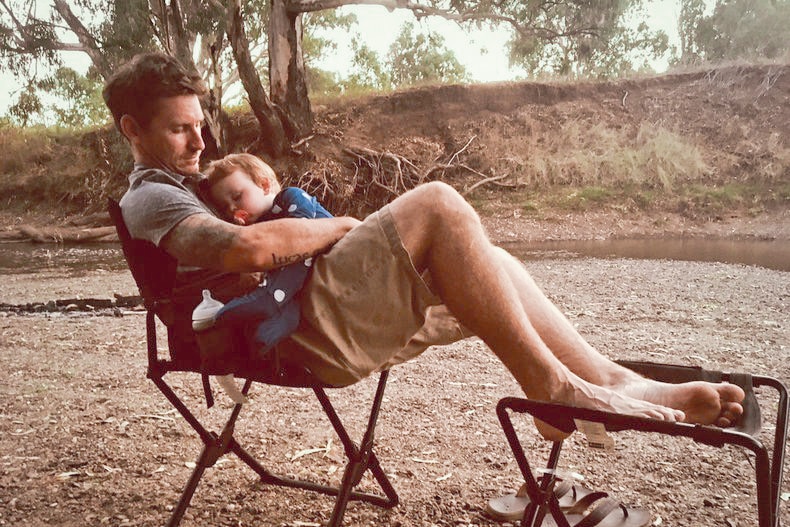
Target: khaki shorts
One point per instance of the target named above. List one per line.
(365, 307)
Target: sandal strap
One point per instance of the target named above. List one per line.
(601, 511)
(584, 503)
(561, 488)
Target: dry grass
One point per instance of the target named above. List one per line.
(61, 171)
(580, 155)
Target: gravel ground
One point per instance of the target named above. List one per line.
(86, 440)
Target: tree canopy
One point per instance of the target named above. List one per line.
(274, 47)
(734, 29)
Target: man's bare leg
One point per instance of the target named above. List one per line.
(443, 234)
(701, 402)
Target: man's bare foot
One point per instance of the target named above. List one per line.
(586, 395)
(692, 402)
(701, 402)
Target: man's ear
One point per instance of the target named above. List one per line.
(266, 185)
(129, 127)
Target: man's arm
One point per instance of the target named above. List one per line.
(205, 241)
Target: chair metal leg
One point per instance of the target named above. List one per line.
(542, 499)
(780, 439)
(189, 489)
(360, 458)
(213, 449)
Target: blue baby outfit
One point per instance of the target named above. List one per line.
(270, 313)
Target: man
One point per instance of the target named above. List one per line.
(418, 272)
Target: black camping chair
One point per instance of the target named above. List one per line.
(154, 272)
(768, 469)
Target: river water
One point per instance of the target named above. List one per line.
(80, 259)
(769, 254)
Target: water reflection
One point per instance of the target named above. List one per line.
(78, 259)
(75, 259)
(769, 254)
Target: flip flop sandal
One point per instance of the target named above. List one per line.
(607, 512)
(511, 507)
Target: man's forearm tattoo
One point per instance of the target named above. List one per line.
(199, 240)
(281, 260)
(289, 259)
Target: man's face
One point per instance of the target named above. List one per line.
(172, 140)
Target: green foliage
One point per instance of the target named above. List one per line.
(413, 58)
(76, 101)
(318, 39)
(587, 197)
(27, 106)
(705, 199)
(418, 58)
(367, 73)
(323, 82)
(124, 28)
(18, 53)
(30, 45)
(734, 29)
(80, 102)
(586, 38)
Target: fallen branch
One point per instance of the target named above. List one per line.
(447, 166)
(455, 155)
(63, 234)
(483, 182)
(94, 305)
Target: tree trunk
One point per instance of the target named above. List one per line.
(288, 87)
(273, 137)
(86, 40)
(215, 130)
(181, 42)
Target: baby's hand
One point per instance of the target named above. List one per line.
(240, 217)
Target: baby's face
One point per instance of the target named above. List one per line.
(240, 200)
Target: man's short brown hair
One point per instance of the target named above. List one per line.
(136, 88)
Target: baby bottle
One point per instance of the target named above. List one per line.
(211, 342)
(204, 313)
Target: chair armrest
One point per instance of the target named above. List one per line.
(563, 417)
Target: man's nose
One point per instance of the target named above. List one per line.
(196, 141)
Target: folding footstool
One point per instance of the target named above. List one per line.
(154, 272)
(768, 468)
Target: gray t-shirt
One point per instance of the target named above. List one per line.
(157, 200)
